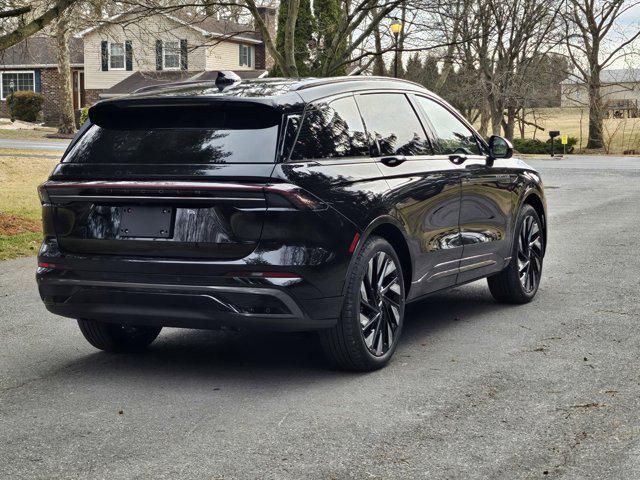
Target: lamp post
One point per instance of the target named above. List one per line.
(396, 28)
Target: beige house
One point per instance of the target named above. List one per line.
(620, 90)
(168, 47)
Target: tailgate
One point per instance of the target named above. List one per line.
(216, 220)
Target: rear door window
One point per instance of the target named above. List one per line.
(453, 135)
(391, 120)
(331, 130)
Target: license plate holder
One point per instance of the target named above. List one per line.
(145, 222)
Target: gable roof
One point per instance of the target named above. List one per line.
(614, 75)
(207, 26)
(40, 52)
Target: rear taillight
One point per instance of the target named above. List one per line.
(281, 195)
(42, 193)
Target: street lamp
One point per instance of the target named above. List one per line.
(396, 28)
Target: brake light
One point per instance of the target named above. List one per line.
(46, 265)
(42, 193)
(296, 196)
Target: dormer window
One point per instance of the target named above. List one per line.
(171, 55)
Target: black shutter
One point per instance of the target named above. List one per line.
(128, 55)
(184, 64)
(104, 55)
(249, 55)
(158, 54)
(37, 80)
(240, 46)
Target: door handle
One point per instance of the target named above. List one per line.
(457, 159)
(393, 161)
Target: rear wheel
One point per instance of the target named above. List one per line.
(114, 337)
(519, 282)
(369, 327)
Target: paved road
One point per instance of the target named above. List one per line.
(477, 390)
(44, 144)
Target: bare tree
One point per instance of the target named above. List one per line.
(24, 31)
(589, 24)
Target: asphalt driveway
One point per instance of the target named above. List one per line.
(477, 389)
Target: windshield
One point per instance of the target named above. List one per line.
(176, 146)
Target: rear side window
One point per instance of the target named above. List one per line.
(453, 135)
(331, 130)
(394, 125)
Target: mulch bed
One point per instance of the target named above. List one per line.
(15, 225)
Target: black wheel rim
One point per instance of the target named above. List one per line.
(530, 250)
(380, 304)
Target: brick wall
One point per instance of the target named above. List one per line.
(92, 96)
(50, 79)
(264, 60)
(51, 92)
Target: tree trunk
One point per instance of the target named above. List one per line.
(378, 62)
(290, 68)
(485, 117)
(595, 112)
(497, 114)
(510, 123)
(67, 122)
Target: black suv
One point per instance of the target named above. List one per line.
(287, 204)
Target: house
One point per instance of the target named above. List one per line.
(32, 65)
(620, 91)
(131, 51)
(156, 47)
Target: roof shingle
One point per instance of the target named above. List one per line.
(40, 51)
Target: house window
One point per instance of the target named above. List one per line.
(171, 55)
(116, 56)
(16, 81)
(246, 55)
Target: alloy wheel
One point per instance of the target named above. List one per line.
(530, 252)
(380, 304)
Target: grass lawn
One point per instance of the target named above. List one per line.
(620, 134)
(20, 228)
(36, 134)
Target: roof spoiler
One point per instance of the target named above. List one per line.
(130, 113)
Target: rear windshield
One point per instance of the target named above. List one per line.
(176, 146)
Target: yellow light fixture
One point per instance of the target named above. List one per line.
(396, 26)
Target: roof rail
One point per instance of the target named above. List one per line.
(185, 83)
(315, 82)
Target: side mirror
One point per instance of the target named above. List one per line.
(499, 148)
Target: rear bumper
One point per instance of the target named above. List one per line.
(187, 305)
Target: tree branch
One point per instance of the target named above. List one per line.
(35, 25)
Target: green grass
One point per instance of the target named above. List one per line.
(21, 245)
(19, 202)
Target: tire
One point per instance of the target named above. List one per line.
(117, 338)
(508, 286)
(345, 345)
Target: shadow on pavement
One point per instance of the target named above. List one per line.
(259, 357)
